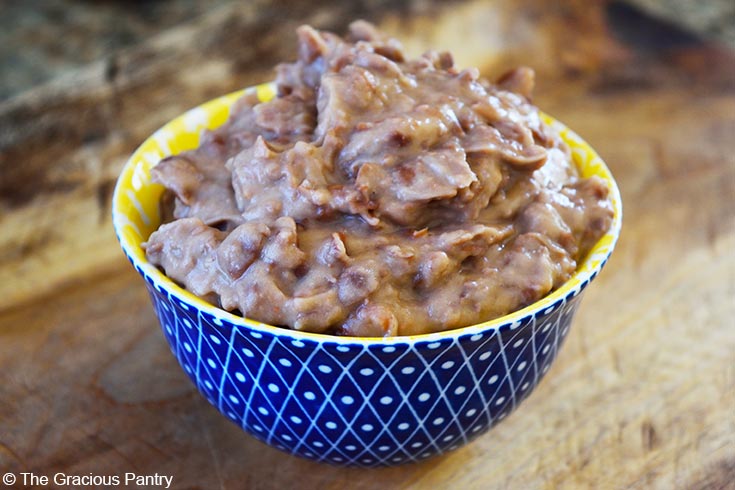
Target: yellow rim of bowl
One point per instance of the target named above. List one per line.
(135, 210)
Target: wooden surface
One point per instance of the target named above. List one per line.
(641, 396)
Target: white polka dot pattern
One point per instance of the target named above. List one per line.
(362, 404)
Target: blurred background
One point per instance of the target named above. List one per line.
(83, 82)
(42, 39)
(643, 392)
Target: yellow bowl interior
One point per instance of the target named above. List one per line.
(136, 206)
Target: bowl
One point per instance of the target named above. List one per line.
(346, 400)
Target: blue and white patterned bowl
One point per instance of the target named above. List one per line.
(348, 401)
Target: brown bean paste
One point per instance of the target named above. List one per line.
(377, 196)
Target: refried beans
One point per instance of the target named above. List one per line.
(377, 196)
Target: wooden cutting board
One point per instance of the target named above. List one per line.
(641, 396)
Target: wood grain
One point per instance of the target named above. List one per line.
(643, 393)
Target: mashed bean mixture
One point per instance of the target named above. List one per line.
(377, 196)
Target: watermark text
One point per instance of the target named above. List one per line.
(30, 479)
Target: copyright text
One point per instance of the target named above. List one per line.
(89, 480)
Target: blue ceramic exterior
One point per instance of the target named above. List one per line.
(366, 404)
